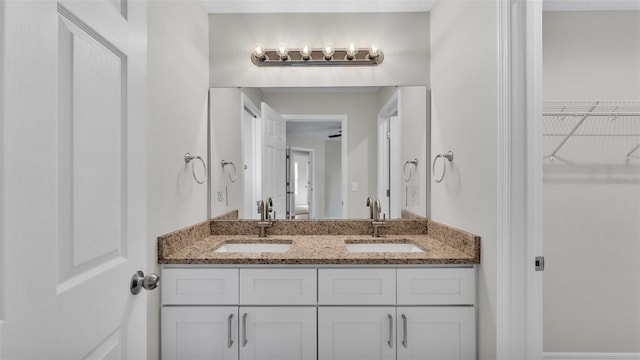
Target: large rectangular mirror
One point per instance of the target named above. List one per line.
(319, 153)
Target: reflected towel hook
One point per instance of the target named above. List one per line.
(448, 156)
(233, 177)
(411, 164)
(187, 159)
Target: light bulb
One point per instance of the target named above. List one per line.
(282, 51)
(352, 50)
(305, 51)
(374, 51)
(328, 51)
(259, 52)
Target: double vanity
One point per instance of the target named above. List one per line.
(323, 289)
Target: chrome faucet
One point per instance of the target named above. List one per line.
(376, 210)
(267, 208)
(264, 207)
(261, 209)
(370, 206)
(377, 222)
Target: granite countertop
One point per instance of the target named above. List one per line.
(197, 244)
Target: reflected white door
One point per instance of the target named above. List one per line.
(273, 159)
(389, 186)
(73, 179)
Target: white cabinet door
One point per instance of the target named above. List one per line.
(436, 333)
(357, 333)
(199, 332)
(278, 333)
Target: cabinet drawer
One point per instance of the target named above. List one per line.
(278, 286)
(436, 286)
(357, 286)
(199, 286)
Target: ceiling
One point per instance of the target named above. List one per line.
(369, 6)
(316, 6)
(319, 130)
(590, 5)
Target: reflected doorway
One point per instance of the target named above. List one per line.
(300, 182)
(315, 166)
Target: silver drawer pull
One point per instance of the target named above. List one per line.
(404, 330)
(390, 342)
(229, 340)
(244, 330)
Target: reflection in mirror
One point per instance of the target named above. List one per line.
(319, 153)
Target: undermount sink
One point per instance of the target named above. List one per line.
(253, 247)
(383, 247)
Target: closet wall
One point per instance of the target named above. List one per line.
(591, 191)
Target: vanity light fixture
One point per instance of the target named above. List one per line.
(327, 55)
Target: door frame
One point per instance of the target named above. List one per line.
(519, 165)
(2, 106)
(344, 142)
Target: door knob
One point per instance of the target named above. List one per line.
(139, 281)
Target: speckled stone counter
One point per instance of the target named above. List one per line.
(318, 249)
(319, 242)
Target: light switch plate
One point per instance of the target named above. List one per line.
(413, 196)
(220, 195)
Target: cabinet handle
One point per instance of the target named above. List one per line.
(390, 342)
(404, 330)
(244, 330)
(229, 340)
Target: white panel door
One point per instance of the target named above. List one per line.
(389, 185)
(356, 333)
(444, 333)
(273, 160)
(278, 333)
(73, 179)
(199, 332)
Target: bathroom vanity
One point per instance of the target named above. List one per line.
(341, 293)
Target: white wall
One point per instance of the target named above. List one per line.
(591, 229)
(412, 111)
(332, 189)
(361, 110)
(178, 73)
(463, 120)
(403, 37)
(591, 55)
(226, 113)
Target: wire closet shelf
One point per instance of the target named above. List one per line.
(591, 132)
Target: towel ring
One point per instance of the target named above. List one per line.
(187, 159)
(233, 166)
(409, 164)
(448, 156)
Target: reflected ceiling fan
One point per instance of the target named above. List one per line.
(339, 134)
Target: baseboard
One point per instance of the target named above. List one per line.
(590, 356)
